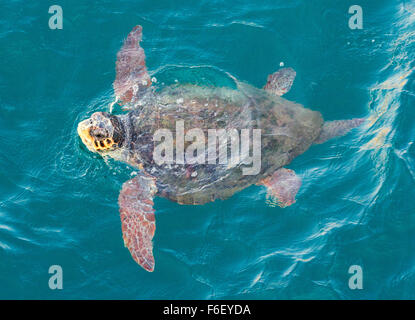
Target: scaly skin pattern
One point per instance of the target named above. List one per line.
(132, 75)
(282, 186)
(287, 130)
(137, 218)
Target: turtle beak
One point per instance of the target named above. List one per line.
(84, 129)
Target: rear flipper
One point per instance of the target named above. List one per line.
(337, 128)
(280, 82)
(282, 187)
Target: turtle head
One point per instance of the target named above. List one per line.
(102, 132)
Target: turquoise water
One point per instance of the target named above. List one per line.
(58, 202)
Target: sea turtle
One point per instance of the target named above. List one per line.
(287, 130)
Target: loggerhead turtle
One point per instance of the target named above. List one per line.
(287, 130)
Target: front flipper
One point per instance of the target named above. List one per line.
(137, 218)
(282, 187)
(132, 78)
(280, 82)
